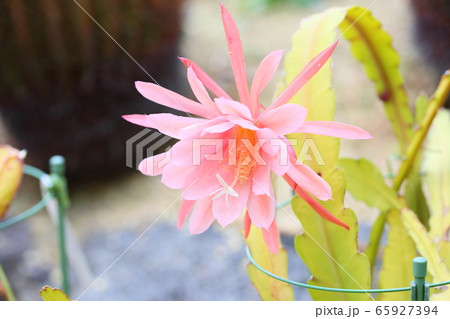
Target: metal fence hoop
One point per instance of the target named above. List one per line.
(303, 285)
(40, 175)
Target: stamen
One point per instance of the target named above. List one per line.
(225, 190)
(239, 155)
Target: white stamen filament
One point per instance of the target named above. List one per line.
(226, 189)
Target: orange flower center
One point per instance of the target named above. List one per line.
(241, 156)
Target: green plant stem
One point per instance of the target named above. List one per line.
(415, 145)
(62, 248)
(413, 149)
(4, 281)
(57, 170)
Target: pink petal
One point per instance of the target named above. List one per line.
(277, 149)
(261, 209)
(236, 55)
(279, 166)
(200, 92)
(232, 107)
(247, 225)
(237, 119)
(202, 180)
(181, 153)
(202, 217)
(304, 76)
(291, 150)
(219, 128)
(179, 127)
(261, 183)
(154, 165)
(272, 237)
(309, 180)
(335, 129)
(174, 175)
(171, 99)
(284, 119)
(225, 214)
(187, 151)
(185, 209)
(138, 119)
(182, 172)
(263, 74)
(205, 79)
(169, 124)
(319, 209)
(204, 127)
(268, 135)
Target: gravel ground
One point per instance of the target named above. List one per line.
(207, 267)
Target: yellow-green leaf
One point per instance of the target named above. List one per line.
(11, 166)
(53, 294)
(415, 198)
(436, 167)
(445, 252)
(426, 247)
(396, 269)
(268, 287)
(372, 46)
(331, 251)
(375, 239)
(365, 183)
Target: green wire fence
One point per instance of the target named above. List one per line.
(55, 186)
(420, 289)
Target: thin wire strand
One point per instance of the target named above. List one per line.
(33, 171)
(303, 285)
(299, 284)
(28, 213)
(133, 59)
(438, 284)
(38, 174)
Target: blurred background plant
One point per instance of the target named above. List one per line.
(269, 4)
(64, 83)
(432, 21)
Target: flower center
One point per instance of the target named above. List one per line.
(242, 155)
(240, 152)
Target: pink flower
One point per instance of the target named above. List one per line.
(224, 159)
